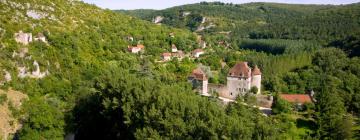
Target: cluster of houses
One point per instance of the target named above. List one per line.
(175, 52)
(179, 54)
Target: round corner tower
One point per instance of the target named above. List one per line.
(256, 79)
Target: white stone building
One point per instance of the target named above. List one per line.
(136, 49)
(241, 79)
(199, 81)
(166, 56)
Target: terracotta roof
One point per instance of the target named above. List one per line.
(197, 50)
(241, 69)
(166, 54)
(140, 46)
(256, 71)
(198, 74)
(173, 46)
(178, 54)
(296, 98)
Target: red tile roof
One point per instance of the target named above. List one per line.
(256, 71)
(140, 46)
(241, 69)
(198, 74)
(296, 98)
(166, 54)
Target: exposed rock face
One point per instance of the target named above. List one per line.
(158, 19)
(203, 20)
(202, 27)
(23, 73)
(23, 52)
(2, 32)
(23, 38)
(40, 37)
(7, 77)
(36, 14)
(186, 13)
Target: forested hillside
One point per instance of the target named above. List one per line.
(264, 20)
(94, 88)
(82, 80)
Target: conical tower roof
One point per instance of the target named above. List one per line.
(256, 71)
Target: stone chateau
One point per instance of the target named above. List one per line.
(241, 78)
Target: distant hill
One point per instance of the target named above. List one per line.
(263, 20)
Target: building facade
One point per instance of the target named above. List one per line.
(241, 78)
(199, 81)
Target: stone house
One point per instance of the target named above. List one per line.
(241, 78)
(166, 56)
(136, 49)
(199, 81)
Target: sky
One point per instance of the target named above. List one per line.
(162, 4)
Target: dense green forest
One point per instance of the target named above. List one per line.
(96, 89)
(322, 23)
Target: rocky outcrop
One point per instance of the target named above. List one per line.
(7, 77)
(23, 38)
(40, 37)
(36, 14)
(186, 13)
(158, 19)
(23, 72)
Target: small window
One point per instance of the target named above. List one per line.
(231, 93)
